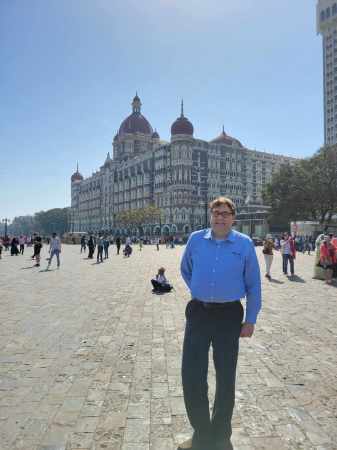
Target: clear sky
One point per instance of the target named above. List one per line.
(70, 68)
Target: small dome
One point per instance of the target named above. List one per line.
(76, 176)
(223, 138)
(182, 125)
(155, 135)
(116, 137)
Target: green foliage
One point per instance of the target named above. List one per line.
(306, 190)
(136, 218)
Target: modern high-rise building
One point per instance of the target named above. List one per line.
(327, 27)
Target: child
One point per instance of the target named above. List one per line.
(160, 283)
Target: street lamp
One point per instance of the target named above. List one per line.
(6, 222)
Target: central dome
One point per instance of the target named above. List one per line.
(135, 122)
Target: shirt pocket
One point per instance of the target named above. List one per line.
(235, 260)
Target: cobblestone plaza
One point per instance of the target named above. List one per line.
(90, 358)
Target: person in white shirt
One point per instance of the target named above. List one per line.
(54, 249)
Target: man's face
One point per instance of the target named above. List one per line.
(222, 219)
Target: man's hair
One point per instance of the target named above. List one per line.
(222, 201)
(161, 270)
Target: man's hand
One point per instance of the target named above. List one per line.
(247, 330)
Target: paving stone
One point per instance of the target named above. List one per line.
(90, 359)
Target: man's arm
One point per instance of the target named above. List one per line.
(187, 264)
(252, 281)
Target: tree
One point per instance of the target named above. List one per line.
(54, 220)
(306, 190)
(137, 218)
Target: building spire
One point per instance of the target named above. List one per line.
(77, 167)
(182, 108)
(136, 104)
(223, 130)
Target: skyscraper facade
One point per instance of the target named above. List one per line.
(327, 27)
(179, 177)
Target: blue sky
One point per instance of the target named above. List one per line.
(70, 68)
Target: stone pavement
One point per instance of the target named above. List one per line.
(90, 358)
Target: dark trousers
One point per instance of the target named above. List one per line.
(118, 248)
(219, 326)
(91, 251)
(106, 252)
(285, 259)
(99, 253)
(160, 287)
(22, 248)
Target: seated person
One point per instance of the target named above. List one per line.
(127, 250)
(160, 283)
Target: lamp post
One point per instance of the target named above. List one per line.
(6, 222)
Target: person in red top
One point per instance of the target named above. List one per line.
(328, 258)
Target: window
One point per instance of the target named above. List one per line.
(322, 16)
(334, 9)
(327, 13)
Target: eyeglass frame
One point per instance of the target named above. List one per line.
(223, 214)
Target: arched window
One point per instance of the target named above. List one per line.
(322, 16)
(327, 13)
(334, 9)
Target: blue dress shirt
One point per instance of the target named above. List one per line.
(223, 270)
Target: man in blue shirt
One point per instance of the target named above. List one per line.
(220, 267)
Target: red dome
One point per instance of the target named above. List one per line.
(182, 126)
(223, 138)
(135, 123)
(76, 176)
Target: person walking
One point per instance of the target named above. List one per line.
(54, 250)
(118, 244)
(268, 246)
(14, 246)
(328, 258)
(100, 246)
(106, 244)
(288, 253)
(22, 241)
(83, 244)
(91, 246)
(37, 249)
(219, 266)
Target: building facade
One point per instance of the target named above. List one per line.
(180, 177)
(327, 27)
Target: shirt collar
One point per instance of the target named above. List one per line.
(230, 237)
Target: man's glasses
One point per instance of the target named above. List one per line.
(223, 214)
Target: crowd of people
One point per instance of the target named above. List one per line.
(325, 258)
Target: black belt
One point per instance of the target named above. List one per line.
(214, 305)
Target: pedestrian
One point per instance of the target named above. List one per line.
(22, 241)
(100, 246)
(37, 249)
(288, 251)
(160, 283)
(14, 246)
(83, 244)
(268, 246)
(127, 250)
(91, 246)
(106, 244)
(140, 244)
(220, 267)
(157, 243)
(118, 244)
(54, 249)
(328, 258)
(33, 242)
(1, 247)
